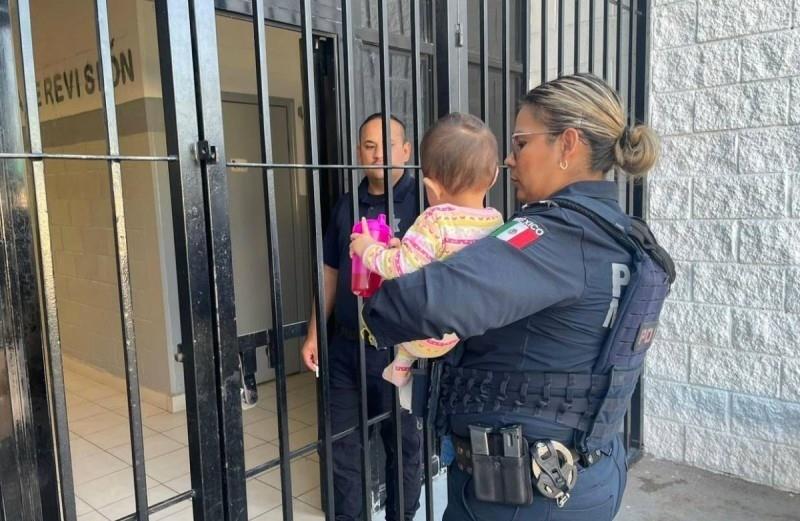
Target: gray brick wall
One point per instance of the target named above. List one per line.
(723, 380)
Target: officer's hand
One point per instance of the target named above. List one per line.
(309, 355)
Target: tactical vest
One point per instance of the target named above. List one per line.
(594, 404)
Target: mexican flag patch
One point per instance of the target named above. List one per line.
(519, 232)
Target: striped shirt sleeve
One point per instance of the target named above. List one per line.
(421, 245)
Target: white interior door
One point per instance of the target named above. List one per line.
(249, 229)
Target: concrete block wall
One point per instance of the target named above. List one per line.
(723, 380)
(87, 291)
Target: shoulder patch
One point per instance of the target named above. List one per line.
(520, 232)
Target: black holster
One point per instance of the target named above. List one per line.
(497, 476)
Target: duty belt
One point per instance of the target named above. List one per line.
(570, 399)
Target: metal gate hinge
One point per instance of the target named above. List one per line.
(204, 151)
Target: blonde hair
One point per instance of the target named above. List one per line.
(586, 103)
(460, 152)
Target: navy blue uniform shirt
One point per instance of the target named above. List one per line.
(336, 244)
(522, 302)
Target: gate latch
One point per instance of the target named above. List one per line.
(205, 151)
(459, 36)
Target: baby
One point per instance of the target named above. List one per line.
(459, 165)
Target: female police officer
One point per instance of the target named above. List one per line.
(557, 308)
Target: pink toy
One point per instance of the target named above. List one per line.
(363, 282)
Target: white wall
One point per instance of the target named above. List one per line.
(238, 73)
(78, 191)
(723, 382)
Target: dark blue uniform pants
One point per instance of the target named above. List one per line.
(596, 496)
(347, 451)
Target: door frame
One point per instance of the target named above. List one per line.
(255, 340)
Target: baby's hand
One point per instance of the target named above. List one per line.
(359, 242)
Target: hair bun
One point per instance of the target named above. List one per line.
(637, 150)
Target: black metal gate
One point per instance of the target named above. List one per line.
(416, 58)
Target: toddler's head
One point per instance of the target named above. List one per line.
(459, 159)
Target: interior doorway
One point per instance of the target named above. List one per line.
(248, 221)
(248, 224)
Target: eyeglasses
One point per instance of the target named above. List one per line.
(516, 145)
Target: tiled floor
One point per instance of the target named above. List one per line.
(101, 453)
(104, 479)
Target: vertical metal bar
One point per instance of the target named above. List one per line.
(506, 116)
(526, 45)
(351, 140)
(323, 387)
(605, 39)
(484, 30)
(123, 267)
(634, 7)
(427, 447)
(452, 77)
(622, 178)
(630, 94)
(591, 35)
(417, 110)
(28, 487)
(642, 61)
(20, 477)
(561, 16)
(386, 93)
(432, 61)
(191, 253)
(220, 264)
(20, 492)
(626, 429)
(273, 255)
(640, 109)
(58, 402)
(641, 87)
(18, 473)
(386, 108)
(577, 35)
(545, 40)
(618, 63)
(348, 47)
(363, 400)
(636, 413)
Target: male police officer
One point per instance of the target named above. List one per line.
(343, 346)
